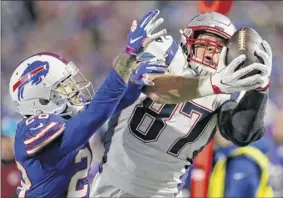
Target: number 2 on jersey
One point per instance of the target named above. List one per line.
(148, 122)
(73, 191)
(25, 181)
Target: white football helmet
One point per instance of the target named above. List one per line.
(213, 23)
(46, 83)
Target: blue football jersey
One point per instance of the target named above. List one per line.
(53, 154)
(47, 170)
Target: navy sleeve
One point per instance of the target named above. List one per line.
(130, 96)
(80, 128)
(242, 178)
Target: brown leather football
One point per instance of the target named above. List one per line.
(245, 41)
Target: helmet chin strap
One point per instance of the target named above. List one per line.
(70, 110)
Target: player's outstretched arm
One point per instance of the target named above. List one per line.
(243, 122)
(173, 89)
(80, 128)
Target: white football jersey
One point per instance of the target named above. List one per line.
(153, 142)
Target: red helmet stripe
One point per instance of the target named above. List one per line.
(27, 76)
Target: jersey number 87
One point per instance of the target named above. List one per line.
(154, 121)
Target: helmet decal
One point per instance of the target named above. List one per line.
(34, 73)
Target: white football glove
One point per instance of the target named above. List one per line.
(227, 80)
(267, 59)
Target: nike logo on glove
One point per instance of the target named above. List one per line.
(134, 40)
(223, 83)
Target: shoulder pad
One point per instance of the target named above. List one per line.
(39, 130)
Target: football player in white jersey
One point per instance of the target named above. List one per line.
(155, 141)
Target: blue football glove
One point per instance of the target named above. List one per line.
(140, 33)
(140, 75)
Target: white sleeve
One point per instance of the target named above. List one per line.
(179, 64)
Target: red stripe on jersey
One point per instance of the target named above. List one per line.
(47, 140)
(32, 139)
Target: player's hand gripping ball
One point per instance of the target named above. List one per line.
(245, 41)
(248, 42)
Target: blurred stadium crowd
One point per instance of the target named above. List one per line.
(93, 33)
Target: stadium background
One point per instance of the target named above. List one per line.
(92, 34)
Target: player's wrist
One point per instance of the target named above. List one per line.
(127, 57)
(130, 51)
(206, 87)
(265, 87)
(124, 66)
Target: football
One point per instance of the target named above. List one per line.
(245, 41)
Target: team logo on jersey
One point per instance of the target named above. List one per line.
(34, 73)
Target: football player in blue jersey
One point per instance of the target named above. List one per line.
(61, 112)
